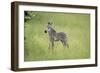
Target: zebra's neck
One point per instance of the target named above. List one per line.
(52, 32)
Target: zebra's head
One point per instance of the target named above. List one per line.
(48, 27)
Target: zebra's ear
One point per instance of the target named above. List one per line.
(50, 23)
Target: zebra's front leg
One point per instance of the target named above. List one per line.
(52, 45)
(49, 45)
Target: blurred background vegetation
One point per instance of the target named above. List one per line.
(76, 26)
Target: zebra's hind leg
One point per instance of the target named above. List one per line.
(67, 45)
(63, 43)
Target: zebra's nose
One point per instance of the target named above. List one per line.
(45, 31)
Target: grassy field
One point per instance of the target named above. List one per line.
(77, 27)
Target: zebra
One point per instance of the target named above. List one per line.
(55, 36)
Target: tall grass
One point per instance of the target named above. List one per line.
(76, 26)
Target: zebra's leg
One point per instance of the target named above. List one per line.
(67, 45)
(49, 45)
(52, 44)
(63, 43)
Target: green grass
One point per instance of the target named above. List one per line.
(77, 27)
